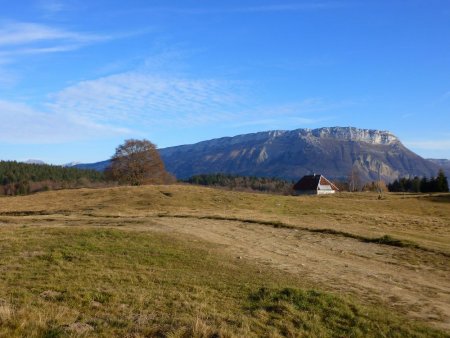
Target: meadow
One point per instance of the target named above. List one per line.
(181, 261)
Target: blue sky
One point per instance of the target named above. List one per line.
(79, 77)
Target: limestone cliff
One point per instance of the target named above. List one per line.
(292, 154)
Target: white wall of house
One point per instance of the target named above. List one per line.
(325, 189)
(325, 192)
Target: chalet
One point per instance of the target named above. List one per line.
(314, 185)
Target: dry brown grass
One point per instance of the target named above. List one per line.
(420, 219)
(88, 261)
(90, 281)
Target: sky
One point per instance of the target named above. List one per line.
(79, 77)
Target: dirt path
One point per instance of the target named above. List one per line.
(414, 282)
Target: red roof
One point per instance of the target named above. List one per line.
(311, 182)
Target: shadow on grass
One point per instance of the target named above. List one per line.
(444, 198)
(319, 314)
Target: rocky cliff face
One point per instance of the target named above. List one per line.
(349, 134)
(292, 154)
(332, 152)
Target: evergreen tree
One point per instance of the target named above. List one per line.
(434, 184)
(18, 178)
(424, 185)
(415, 186)
(441, 182)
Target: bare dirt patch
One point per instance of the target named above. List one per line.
(411, 281)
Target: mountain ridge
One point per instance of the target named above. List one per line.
(290, 154)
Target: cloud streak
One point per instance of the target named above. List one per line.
(21, 33)
(150, 99)
(51, 7)
(26, 124)
(135, 102)
(27, 38)
(166, 101)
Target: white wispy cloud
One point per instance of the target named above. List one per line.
(51, 7)
(25, 38)
(407, 115)
(21, 39)
(26, 124)
(128, 103)
(147, 100)
(22, 33)
(39, 50)
(132, 103)
(150, 99)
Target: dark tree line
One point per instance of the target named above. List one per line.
(417, 184)
(135, 162)
(22, 178)
(245, 183)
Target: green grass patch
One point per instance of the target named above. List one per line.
(57, 282)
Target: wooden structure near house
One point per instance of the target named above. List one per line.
(314, 185)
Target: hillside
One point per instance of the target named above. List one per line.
(292, 154)
(187, 261)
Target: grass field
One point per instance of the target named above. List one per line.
(188, 261)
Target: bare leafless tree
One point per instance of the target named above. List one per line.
(354, 179)
(137, 162)
(379, 183)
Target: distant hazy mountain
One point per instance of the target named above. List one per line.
(99, 166)
(32, 161)
(332, 152)
(442, 163)
(70, 164)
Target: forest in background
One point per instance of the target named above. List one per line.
(243, 183)
(420, 184)
(18, 178)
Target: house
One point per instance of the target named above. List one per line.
(314, 185)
